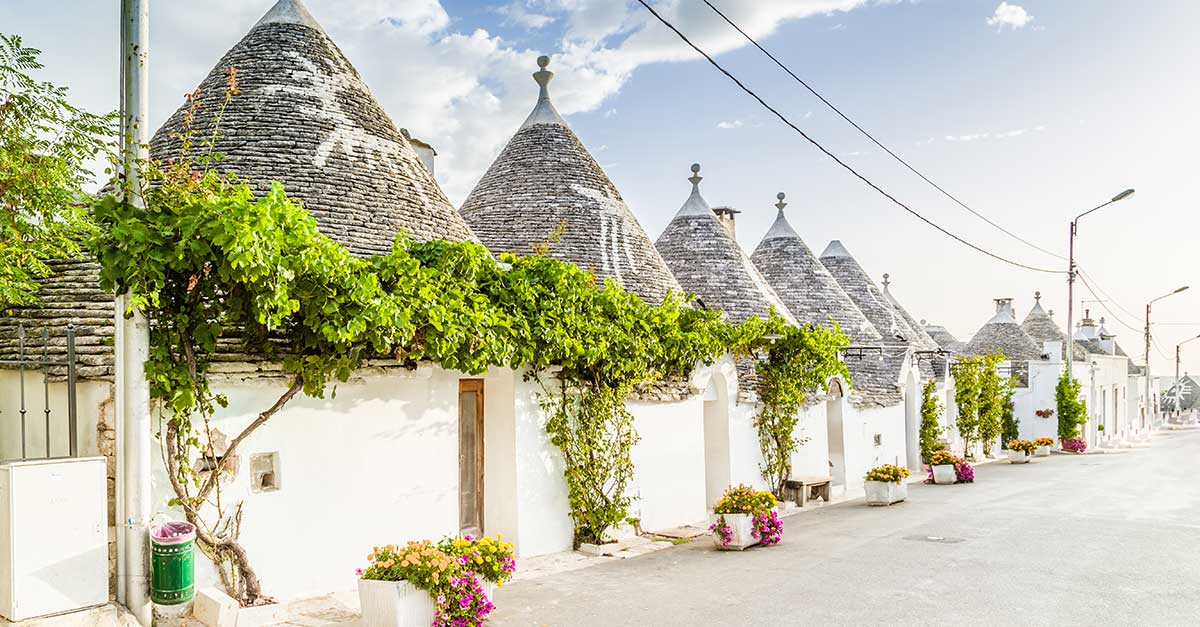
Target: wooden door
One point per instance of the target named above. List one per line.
(470, 456)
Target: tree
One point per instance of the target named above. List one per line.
(931, 413)
(993, 395)
(966, 396)
(46, 145)
(1072, 411)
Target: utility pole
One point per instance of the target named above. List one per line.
(132, 346)
(1071, 278)
(1151, 406)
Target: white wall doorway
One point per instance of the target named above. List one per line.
(716, 439)
(912, 422)
(470, 456)
(836, 431)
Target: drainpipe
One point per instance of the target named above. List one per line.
(133, 391)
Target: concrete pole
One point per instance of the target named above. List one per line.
(1070, 347)
(1150, 409)
(133, 391)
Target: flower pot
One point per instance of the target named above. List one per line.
(1043, 451)
(1018, 457)
(401, 604)
(944, 474)
(394, 604)
(741, 527)
(887, 492)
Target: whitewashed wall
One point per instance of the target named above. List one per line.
(669, 475)
(376, 465)
(1043, 379)
(92, 399)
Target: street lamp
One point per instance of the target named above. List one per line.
(1150, 406)
(1178, 388)
(1071, 279)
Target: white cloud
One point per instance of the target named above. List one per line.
(520, 13)
(838, 27)
(1010, 15)
(969, 137)
(463, 89)
(730, 124)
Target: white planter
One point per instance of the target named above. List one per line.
(401, 604)
(886, 492)
(741, 526)
(1043, 451)
(1018, 457)
(945, 474)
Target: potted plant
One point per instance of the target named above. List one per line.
(1044, 413)
(964, 472)
(425, 584)
(1074, 445)
(1043, 446)
(1020, 451)
(885, 485)
(745, 517)
(943, 464)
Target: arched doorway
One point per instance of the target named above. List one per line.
(716, 439)
(836, 433)
(912, 422)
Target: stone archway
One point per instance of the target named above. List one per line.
(716, 439)
(836, 433)
(912, 422)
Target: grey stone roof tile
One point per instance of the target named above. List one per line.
(1002, 333)
(545, 186)
(707, 260)
(805, 286)
(1040, 327)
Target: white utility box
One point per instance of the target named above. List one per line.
(53, 540)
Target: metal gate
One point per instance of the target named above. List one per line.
(33, 362)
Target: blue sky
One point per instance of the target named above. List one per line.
(1030, 122)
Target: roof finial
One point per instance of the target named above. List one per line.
(1037, 296)
(780, 205)
(544, 111)
(886, 281)
(695, 178)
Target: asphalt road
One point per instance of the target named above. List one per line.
(1110, 539)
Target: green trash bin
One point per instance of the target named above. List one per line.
(173, 565)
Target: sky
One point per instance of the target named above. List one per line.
(1030, 112)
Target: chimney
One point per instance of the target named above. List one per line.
(726, 216)
(1053, 350)
(1004, 311)
(423, 149)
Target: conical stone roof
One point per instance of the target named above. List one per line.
(804, 285)
(924, 340)
(1002, 333)
(870, 300)
(1041, 328)
(545, 188)
(707, 260)
(303, 116)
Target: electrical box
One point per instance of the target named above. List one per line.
(53, 536)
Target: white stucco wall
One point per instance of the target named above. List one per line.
(669, 460)
(92, 398)
(378, 464)
(543, 509)
(1043, 379)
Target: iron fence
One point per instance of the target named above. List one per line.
(29, 363)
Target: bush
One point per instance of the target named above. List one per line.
(931, 429)
(1044, 441)
(1072, 412)
(744, 499)
(943, 458)
(1022, 445)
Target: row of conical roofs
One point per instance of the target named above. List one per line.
(304, 116)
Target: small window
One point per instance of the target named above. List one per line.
(264, 472)
(878, 439)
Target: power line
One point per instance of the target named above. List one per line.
(1102, 302)
(1100, 288)
(876, 141)
(817, 144)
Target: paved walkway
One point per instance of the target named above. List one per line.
(1109, 539)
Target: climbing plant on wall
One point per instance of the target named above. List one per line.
(966, 396)
(211, 262)
(994, 394)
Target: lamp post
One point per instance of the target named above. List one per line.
(1178, 388)
(1150, 405)
(1071, 278)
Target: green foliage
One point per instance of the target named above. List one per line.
(1011, 424)
(45, 147)
(981, 395)
(994, 396)
(931, 413)
(802, 360)
(1071, 410)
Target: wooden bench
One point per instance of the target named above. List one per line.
(802, 489)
